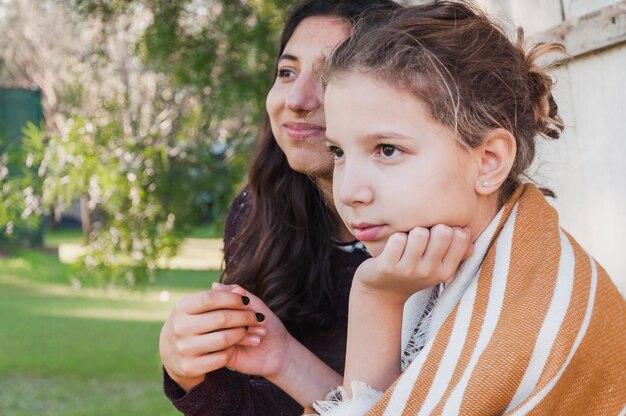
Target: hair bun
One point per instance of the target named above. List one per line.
(544, 107)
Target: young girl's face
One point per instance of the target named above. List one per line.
(395, 168)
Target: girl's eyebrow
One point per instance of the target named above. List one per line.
(376, 137)
(288, 57)
(386, 136)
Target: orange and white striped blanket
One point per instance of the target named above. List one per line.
(537, 328)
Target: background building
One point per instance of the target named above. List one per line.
(586, 167)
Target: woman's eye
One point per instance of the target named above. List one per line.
(337, 152)
(389, 151)
(285, 73)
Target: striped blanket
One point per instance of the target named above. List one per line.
(537, 329)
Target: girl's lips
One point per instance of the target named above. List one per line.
(303, 131)
(366, 232)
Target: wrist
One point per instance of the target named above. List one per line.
(303, 375)
(285, 368)
(374, 330)
(361, 292)
(188, 383)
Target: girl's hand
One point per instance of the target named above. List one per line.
(205, 331)
(414, 261)
(409, 263)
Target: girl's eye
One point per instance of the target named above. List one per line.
(337, 152)
(285, 73)
(389, 151)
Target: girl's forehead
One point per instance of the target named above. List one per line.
(363, 109)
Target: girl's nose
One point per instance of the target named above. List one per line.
(351, 186)
(305, 95)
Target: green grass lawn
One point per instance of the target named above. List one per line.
(52, 238)
(82, 352)
(206, 231)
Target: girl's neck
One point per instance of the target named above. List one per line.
(484, 216)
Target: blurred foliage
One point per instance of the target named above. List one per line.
(155, 109)
(20, 207)
(224, 51)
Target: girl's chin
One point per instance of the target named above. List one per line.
(375, 248)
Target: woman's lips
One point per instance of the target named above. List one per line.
(303, 131)
(366, 232)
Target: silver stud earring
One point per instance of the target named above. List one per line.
(484, 184)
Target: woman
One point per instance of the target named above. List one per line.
(282, 243)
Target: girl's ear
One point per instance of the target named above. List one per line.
(495, 159)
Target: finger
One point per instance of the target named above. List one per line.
(438, 243)
(470, 247)
(215, 321)
(454, 255)
(238, 289)
(250, 340)
(206, 363)
(223, 287)
(392, 253)
(257, 330)
(232, 289)
(210, 300)
(256, 304)
(210, 343)
(416, 243)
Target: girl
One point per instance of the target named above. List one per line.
(432, 119)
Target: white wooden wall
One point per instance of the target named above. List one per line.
(586, 167)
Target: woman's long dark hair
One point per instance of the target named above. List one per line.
(282, 251)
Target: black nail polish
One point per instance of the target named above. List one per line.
(260, 317)
(245, 300)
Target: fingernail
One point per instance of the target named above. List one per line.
(254, 339)
(258, 330)
(245, 300)
(260, 317)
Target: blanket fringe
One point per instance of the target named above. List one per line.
(363, 397)
(420, 334)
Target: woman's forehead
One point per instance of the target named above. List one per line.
(315, 35)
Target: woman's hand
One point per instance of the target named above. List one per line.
(281, 359)
(266, 359)
(414, 261)
(214, 329)
(208, 331)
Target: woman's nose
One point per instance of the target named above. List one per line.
(305, 95)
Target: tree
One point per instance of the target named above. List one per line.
(151, 107)
(224, 51)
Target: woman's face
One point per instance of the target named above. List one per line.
(295, 102)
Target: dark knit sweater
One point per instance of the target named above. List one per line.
(225, 392)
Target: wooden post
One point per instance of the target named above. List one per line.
(85, 219)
